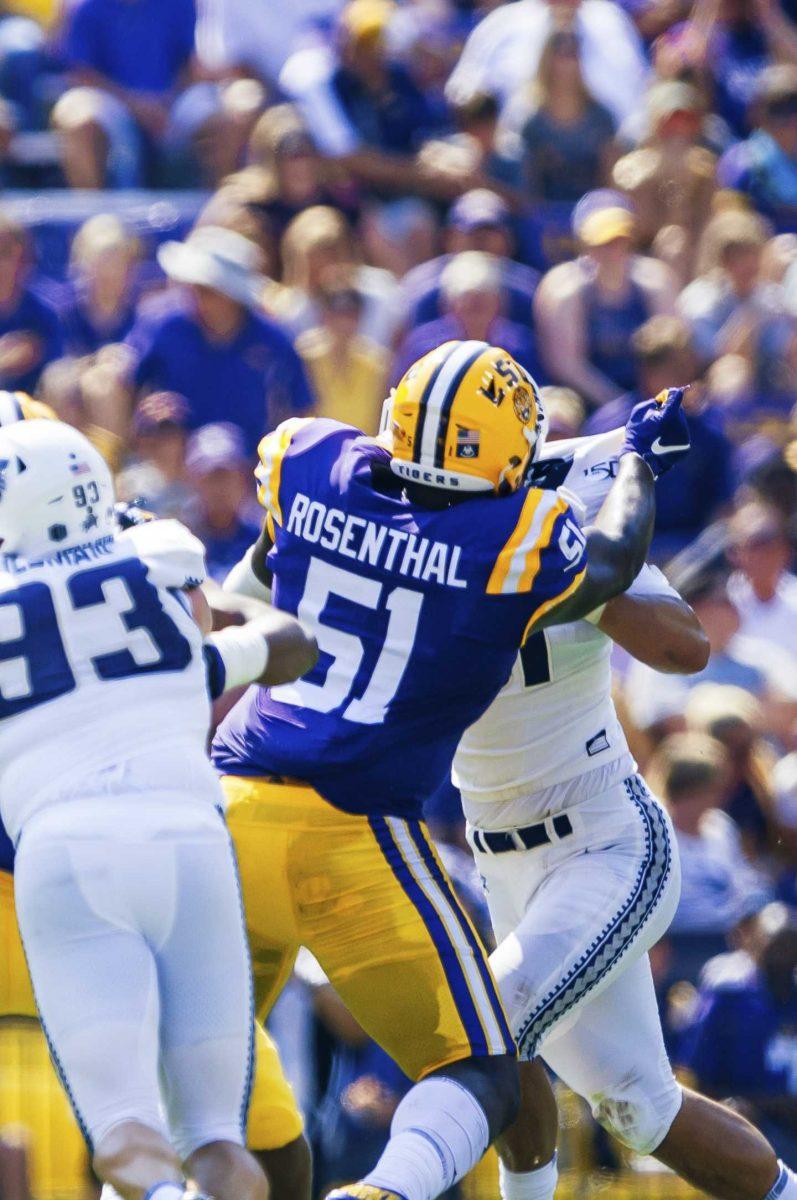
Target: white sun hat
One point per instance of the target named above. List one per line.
(216, 258)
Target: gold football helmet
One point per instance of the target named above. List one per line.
(466, 417)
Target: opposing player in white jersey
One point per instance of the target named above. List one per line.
(580, 867)
(126, 887)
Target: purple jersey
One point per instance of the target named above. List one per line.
(418, 613)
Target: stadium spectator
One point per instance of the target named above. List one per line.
(124, 117)
(208, 342)
(479, 220)
(564, 411)
(30, 330)
(318, 244)
(718, 885)
(482, 143)
(237, 37)
(364, 111)
(218, 464)
(764, 166)
(103, 264)
(503, 52)
(348, 372)
(737, 41)
(285, 173)
(736, 719)
(658, 702)
(472, 296)
(586, 311)
(762, 588)
(731, 310)
(157, 474)
(742, 1045)
(695, 490)
(567, 138)
(671, 179)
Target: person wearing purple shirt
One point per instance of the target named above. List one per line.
(210, 344)
(742, 1043)
(695, 490)
(479, 220)
(764, 166)
(472, 298)
(128, 60)
(30, 330)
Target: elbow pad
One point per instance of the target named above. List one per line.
(234, 656)
(243, 581)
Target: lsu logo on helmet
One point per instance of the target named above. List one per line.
(466, 417)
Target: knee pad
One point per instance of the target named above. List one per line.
(638, 1114)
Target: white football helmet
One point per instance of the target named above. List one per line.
(56, 490)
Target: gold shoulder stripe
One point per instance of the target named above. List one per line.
(498, 576)
(533, 558)
(268, 472)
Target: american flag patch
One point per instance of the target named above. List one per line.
(467, 443)
(77, 467)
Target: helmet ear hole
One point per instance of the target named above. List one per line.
(57, 533)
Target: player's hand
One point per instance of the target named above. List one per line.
(658, 432)
(128, 513)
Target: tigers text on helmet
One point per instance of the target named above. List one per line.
(56, 489)
(466, 417)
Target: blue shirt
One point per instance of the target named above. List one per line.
(395, 120)
(690, 494)
(234, 381)
(223, 551)
(760, 168)
(743, 1042)
(82, 333)
(418, 613)
(142, 45)
(32, 315)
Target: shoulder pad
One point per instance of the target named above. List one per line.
(175, 558)
(18, 406)
(292, 441)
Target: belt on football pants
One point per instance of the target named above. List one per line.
(528, 838)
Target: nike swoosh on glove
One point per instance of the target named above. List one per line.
(657, 430)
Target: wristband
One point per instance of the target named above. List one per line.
(242, 651)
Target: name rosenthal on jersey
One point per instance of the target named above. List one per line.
(376, 545)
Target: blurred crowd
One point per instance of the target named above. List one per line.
(605, 188)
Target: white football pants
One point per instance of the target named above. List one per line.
(574, 920)
(133, 928)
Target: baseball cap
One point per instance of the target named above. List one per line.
(601, 216)
(158, 410)
(477, 208)
(216, 447)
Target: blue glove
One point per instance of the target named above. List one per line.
(657, 431)
(128, 513)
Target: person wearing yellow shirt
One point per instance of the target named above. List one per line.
(348, 372)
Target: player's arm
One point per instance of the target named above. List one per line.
(269, 650)
(250, 576)
(617, 544)
(656, 626)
